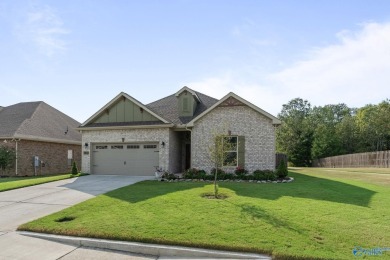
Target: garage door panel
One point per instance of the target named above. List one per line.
(132, 159)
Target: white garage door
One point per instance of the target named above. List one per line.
(125, 159)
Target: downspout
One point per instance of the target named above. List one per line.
(16, 159)
(16, 155)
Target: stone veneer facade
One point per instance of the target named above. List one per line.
(258, 130)
(167, 154)
(53, 155)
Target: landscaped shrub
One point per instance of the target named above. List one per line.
(264, 175)
(282, 171)
(168, 176)
(259, 175)
(194, 173)
(250, 177)
(209, 177)
(220, 173)
(7, 158)
(74, 168)
(229, 176)
(190, 173)
(201, 175)
(241, 173)
(270, 175)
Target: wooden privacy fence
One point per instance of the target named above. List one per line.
(380, 159)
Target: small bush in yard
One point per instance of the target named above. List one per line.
(200, 175)
(270, 175)
(229, 176)
(264, 175)
(209, 177)
(168, 176)
(220, 173)
(190, 173)
(250, 177)
(282, 171)
(74, 168)
(241, 173)
(259, 175)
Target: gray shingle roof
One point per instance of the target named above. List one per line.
(37, 120)
(167, 108)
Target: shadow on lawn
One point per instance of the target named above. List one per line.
(310, 187)
(304, 186)
(151, 189)
(257, 213)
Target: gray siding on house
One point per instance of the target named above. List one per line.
(258, 130)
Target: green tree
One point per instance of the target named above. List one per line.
(373, 123)
(294, 136)
(347, 132)
(324, 120)
(217, 153)
(7, 158)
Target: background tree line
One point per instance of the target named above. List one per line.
(309, 133)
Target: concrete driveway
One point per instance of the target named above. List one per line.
(22, 205)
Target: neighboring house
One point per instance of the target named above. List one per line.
(174, 133)
(45, 140)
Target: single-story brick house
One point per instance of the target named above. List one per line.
(174, 134)
(45, 140)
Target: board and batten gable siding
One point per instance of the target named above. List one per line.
(186, 104)
(257, 129)
(125, 111)
(130, 136)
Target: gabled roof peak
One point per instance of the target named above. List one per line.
(275, 120)
(193, 93)
(114, 100)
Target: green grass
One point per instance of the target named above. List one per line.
(321, 215)
(11, 183)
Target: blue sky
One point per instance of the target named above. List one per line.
(78, 55)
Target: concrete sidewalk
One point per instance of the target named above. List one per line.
(146, 248)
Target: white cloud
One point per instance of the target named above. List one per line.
(45, 30)
(266, 98)
(356, 71)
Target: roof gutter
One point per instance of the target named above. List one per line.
(45, 139)
(101, 128)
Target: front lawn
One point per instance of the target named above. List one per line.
(10, 183)
(321, 215)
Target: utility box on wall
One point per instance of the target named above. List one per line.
(36, 161)
(70, 157)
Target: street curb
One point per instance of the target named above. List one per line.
(143, 248)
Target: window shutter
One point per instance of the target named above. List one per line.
(241, 151)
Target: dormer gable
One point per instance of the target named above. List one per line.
(187, 101)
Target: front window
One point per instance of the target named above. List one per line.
(230, 150)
